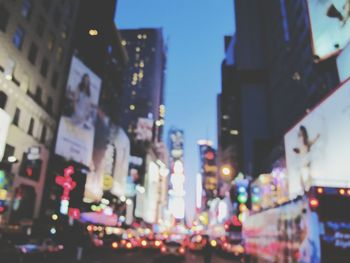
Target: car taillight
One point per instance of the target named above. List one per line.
(342, 191)
(182, 250)
(314, 203)
(128, 245)
(157, 243)
(114, 245)
(163, 249)
(144, 243)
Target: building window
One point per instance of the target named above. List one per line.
(40, 27)
(9, 69)
(18, 37)
(51, 41)
(43, 135)
(44, 67)
(59, 54)
(49, 105)
(31, 126)
(4, 18)
(33, 52)
(27, 7)
(38, 94)
(54, 79)
(16, 117)
(3, 100)
(57, 17)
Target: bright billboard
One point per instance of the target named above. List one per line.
(317, 147)
(76, 130)
(330, 25)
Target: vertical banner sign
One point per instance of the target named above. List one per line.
(5, 123)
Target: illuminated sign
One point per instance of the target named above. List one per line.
(5, 123)
(67, 183)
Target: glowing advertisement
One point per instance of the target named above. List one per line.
(76, 129)
(317, 148)
(151, 200)
(5, 124)
(176, 138)
(284, 234)
(330, 25)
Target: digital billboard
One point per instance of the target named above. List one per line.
(176, 144)
(76, 129)
(330, 25)
(317, 147)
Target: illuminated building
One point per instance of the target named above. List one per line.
(144, 79)
(35, 44)
(177, 177)
(208, 171)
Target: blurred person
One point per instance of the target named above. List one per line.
(207, 250)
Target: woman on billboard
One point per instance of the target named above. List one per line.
(82, 103)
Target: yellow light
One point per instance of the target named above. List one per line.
(320, 190)
(157, 243)
(132, 107)
(139, 36)
(213, 243)
(54, 217)
(115, 245)
(93, 32)
(138, 49)
(342, 191)
(233, 132)
(226, 171)
(243, 208)
(123, 42)
(144, 243)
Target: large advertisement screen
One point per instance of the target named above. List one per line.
(330, 25)
(76, 130)
(317, 147)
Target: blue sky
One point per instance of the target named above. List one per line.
(194, 31)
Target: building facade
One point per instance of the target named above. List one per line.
(35, 41)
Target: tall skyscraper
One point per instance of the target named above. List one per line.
(35, 42)
(144, 82)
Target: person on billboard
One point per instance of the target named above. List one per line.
(82, 103)
(304, 151)
(339, 9)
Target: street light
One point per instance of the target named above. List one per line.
(12, 159)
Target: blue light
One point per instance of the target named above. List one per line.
(256, 190)
(241, 189)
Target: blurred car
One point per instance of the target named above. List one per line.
(150, 243)
(125, 244)
(173, 248)
(196, 242)
(38, 249)
(8, 252)
(233, 246)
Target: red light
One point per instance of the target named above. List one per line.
(348, 191)
(114, 245)
(29, 171)
(209, 156)
(320, 190)
(163, 249)
(314, 203)
(74, 213)
(226, 226)
(342, 191)
(2, 209)
(89, 228)
(182, 250)
(236, 221)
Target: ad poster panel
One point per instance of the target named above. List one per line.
(5, 124)
(76, 130)
(317, 147)
(288, 233)
(109, 168)
(144, 130)
(330, 25)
